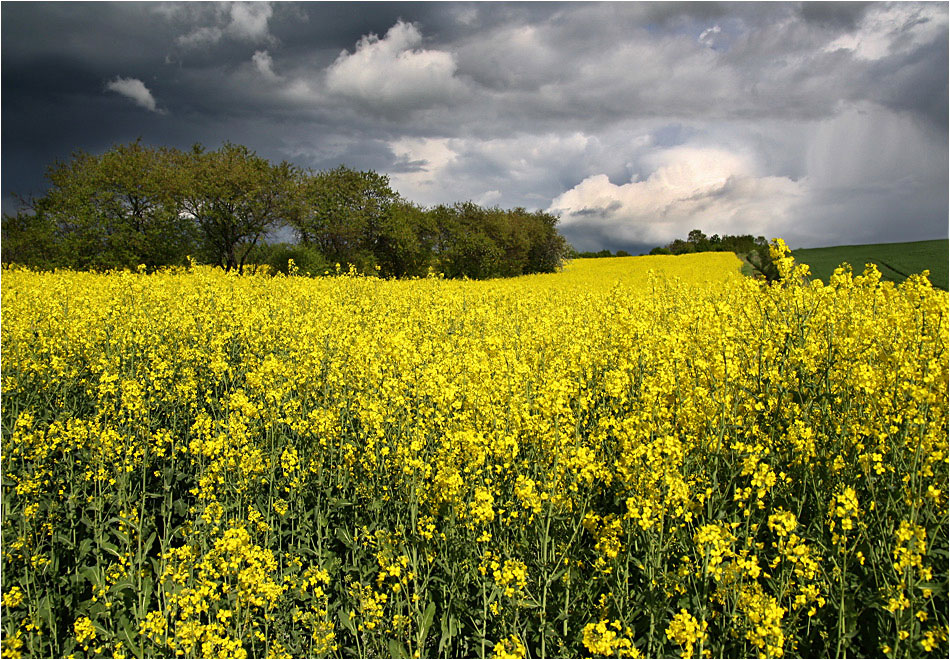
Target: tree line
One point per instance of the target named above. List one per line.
(600, 254)
(157, 206)
(754, 251)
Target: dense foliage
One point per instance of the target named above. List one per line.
(136, 205)
(600, 254)
(640, 456)
(754, 251)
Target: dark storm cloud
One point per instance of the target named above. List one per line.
(567, 106)
(603, 238)
(599, 212)
(915, 82)
(90, 32)
(834, 15)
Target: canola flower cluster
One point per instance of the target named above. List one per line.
(636, 457)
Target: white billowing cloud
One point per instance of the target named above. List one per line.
(134, 89)
(249, 20)
(245, 21)
(394, 73)
(893, 28)
(431, 154)
(265, 65)
(711, 188)
(488, 198)
(426, 160)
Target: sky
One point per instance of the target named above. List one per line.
(821, 123)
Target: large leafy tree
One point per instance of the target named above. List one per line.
(119, 209)
(70, 208)
(346, 214)
(236, 198)
(466, 249)
(474, 242)
(547, 248)
(405, 242)
(137, 196)
(29, 238)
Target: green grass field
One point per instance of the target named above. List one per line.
(895, 260)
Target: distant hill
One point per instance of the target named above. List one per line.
(895, 260)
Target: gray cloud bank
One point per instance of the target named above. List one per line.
(823, 123)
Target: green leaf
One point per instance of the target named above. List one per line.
(397, 649)
(426, 623)
(43, 608)
(122, 536)
(85, 546)
(347, 622)
(110, 548)
(449, 631)
(123, 586)
(345, 538)
(91, 574)
(149, 541)
(129, 636)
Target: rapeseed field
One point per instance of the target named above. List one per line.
(635, 457)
